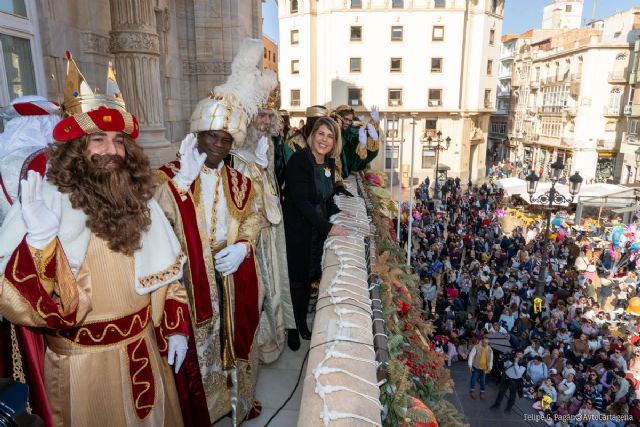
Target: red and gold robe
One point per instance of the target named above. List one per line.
(224, 312)
(102, 365)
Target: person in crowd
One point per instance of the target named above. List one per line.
(480, 364)
(511, 381)
(309, 189)
(87, 252)
(217, 214)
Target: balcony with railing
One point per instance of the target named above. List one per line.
(612, 111)
(618, 76)
(567, 142)
(506, 53)
(550, 109)
(504, 92)
(605, 144)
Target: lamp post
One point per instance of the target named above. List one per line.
(637, 153)
(547, 200)
(438, 145)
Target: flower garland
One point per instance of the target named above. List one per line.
(417, 377)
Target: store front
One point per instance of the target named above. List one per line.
(606, 166)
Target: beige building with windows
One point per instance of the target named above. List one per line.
(435, 58)
(168, 54)
(571, 97)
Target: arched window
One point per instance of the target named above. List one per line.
(615, 98)
(294, 6)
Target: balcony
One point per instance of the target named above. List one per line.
(506, 54)
(429, 133)
(550, 109)
(605, 144)
(567, 142)
(534, 84)
(618, 76)
(612, 111)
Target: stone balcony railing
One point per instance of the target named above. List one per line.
(340, 383)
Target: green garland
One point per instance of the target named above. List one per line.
(415, 369)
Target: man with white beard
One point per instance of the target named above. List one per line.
(255, 159)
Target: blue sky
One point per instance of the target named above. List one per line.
(519, 15)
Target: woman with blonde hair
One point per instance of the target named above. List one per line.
(308, 204)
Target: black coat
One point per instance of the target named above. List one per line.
(306, 216)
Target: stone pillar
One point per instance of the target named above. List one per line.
(136, 47)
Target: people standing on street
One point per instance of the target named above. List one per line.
(480, 364)
(511, 380)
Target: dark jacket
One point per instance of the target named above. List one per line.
(306, 216)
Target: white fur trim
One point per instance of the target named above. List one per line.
(158, 262)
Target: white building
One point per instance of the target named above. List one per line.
(562, 14)
(571, 96)
(436, 58)
(498, 149)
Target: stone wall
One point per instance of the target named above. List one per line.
(168, 54)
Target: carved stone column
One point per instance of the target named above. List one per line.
(136, 46)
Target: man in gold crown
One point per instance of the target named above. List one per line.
(89, 256)
(255, 159)
(215, 211)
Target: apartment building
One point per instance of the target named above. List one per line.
(570, 89)
(438, 59)
(498, 147)
(270, 54)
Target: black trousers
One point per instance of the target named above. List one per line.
(300, 293)
(507, 384)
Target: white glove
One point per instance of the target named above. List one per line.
(261, 152)
(375, 114)
(177, 351)
(362, 137)
(229, 259)
(191, 161)
(373, 133)
(42, 223)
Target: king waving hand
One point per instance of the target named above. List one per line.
(88, 255)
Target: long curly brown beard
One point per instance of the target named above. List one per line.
(113, 192)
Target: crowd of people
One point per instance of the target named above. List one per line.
(570, 351)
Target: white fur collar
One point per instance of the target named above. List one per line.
(157, 263)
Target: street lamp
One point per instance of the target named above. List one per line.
(549, 200)
(438, 145)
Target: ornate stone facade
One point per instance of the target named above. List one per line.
(168, 54)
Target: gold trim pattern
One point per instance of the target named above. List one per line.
(179, 319)
(163, 276)
(85, 122)
(46, 316)
(14, 272)
(146, 384)
(237, 195)
(86, 331)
